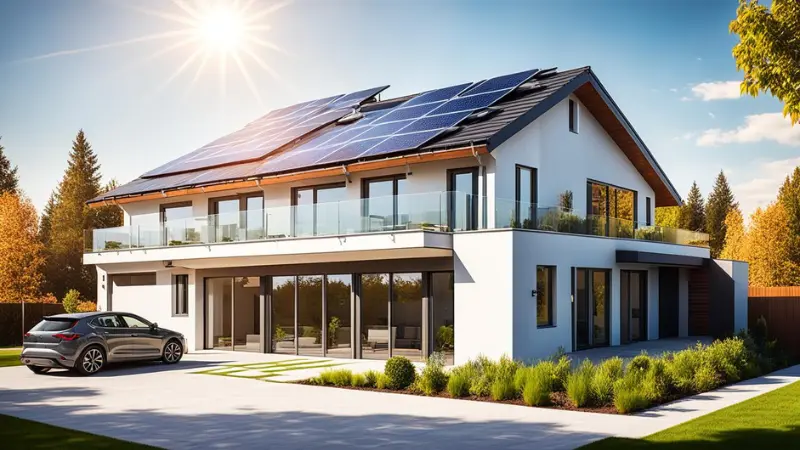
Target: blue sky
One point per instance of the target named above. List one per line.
(668, 65)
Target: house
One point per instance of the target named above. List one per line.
(509, 216)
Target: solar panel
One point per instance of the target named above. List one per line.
(438, 94)
(278, 128)
(502, 82)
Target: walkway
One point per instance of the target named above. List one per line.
(173, 407)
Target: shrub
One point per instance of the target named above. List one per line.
(358, 380)
(87, 307)
(640, 363)
(728, 358)
(656, 383)
(400, 372)
(605, 375)
(487, 371)
(681, 368)
(382, 382)
(335, 377)
(579, 384)
(706, 378)
(563, 367)
(628, 396)
(71, 301)
(521, 377)
(538, 385)
(433, 379)
(371, 378)
(458, 383)
(502, 388)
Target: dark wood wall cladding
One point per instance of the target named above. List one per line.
(780, 307)
(699, 302)
(592, 100)
(668, 321)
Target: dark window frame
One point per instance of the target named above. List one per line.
(213, 208)
(473, 204)
(135, 276)
(648, 211)
(573, 116)
(179, 310)
(365, 182)
(534, 193)
(608, 216)
(315, 188)
(589, 288)
(552, 279)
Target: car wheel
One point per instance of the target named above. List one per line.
(39, 370)
(92, 359)
(173, 352)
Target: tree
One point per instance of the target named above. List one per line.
(735, 245)
(71, 301)
(668, 216)
(69, 216)
(21, 256)
(720, 203)
(45, 223)
(769, 246)
(769, 52)
(9, 182)
(789, 197)
(693, 215)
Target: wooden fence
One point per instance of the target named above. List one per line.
(11, 319)
(780, 306)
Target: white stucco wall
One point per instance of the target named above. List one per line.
(565, 160)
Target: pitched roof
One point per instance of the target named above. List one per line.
(511, 114)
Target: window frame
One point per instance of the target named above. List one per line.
(608, 216)
(140, 319)
(534, 193)
(314, 188)
(451, 204)
(96, 321)
(176, 311)
(647, 211)
(552, 278)
(365, 182)
(574, 116)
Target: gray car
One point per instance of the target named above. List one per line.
(86, 342)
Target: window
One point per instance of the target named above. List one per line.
(612, 209)
(385, 203)
(135, 322)
(573, 116)
(111, 321)
(526, 197)
(178, 228)
(647, 213)
(462, 198)
(53, 324)
(316, 209)
(545, 290)
(134, 279)
(238, 217)
(180, 295)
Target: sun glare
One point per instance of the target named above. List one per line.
(222, 29)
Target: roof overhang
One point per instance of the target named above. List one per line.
(659, 259)
(598, 102)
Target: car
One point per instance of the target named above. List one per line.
(87, 342)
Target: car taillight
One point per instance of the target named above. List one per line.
(27, 335)
(67, 336)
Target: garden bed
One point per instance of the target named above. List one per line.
(610, 387)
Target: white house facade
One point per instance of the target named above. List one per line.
(512, 216)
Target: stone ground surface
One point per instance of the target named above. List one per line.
(177, 407)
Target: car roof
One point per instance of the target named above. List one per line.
(76, 316)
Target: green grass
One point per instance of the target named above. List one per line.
(769, 421)
(21, 433)
(267, 370)
(9, 357)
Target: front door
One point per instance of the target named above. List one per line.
(633, 306)
(592, 292)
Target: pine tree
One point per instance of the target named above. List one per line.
(720, 203)
(769, 245)
(693, 216)
(735, 246)
(9, 181)
(789, 197)
(68, 218)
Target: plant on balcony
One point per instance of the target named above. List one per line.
(227, 239)
(570, 223)
(112, 245)
(193, 235)
(565, 200)
(649, 234)
(279, 333)
(176, 242)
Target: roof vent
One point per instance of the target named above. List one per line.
(482, 114)
(350, 118)
(530, 86)
(545, 73)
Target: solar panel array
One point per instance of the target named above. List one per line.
(249, 151)
(263, 136)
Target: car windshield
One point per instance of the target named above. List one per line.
(53, 324)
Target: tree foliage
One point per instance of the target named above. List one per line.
(668, 216)
(769, 51)
(71, 301)
(735, 246)
(21, 256)
(9, 181)
(789, 197)
(693, 215)
(720, 203)
(769, 247)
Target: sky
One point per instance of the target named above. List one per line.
(131, 75)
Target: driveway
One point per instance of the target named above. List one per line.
(171, 407)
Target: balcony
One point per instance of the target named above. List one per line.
(434, 211)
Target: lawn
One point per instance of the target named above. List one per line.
(768, 421)
(9, 357)
(21, 433)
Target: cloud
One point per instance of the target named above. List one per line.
(712, 115)
(763, 188)
(756, 128)
(686, 99)
(717, 90)
(673, 89)
(699, 58)
(685, 137)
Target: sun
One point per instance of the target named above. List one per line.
(222, 29)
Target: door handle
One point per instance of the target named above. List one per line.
(134, 335)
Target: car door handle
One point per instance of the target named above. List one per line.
(134, 335)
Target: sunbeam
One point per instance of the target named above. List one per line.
(94, 48)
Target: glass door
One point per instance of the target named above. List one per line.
(462, 201)
(246, 314)
(219, 306)
(375, 339)
(592, 293)
(407, 315)
(633, 306)
(309, 315)
(283, 317)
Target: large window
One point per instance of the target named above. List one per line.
(592, 306)
(612, 209)
(375, 316)
(316, 209)
(337, 315)
(526, 197)
(545, 294)
(309, 315)
(180, 295)
(179, 228)
(407, 315)
(462, 186)
(237, 218)
(283, 301)
(385, 205)
(442, 284)
(573, 116)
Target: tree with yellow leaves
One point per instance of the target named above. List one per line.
(735, 246)
(21, 257)
(769, 247)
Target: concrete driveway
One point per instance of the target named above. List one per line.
(170, 407)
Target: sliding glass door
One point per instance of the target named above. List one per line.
(633, 306)
(233, 313)
(592, 306)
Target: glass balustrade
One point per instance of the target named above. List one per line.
(433, 211)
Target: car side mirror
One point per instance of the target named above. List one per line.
(153, 325)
